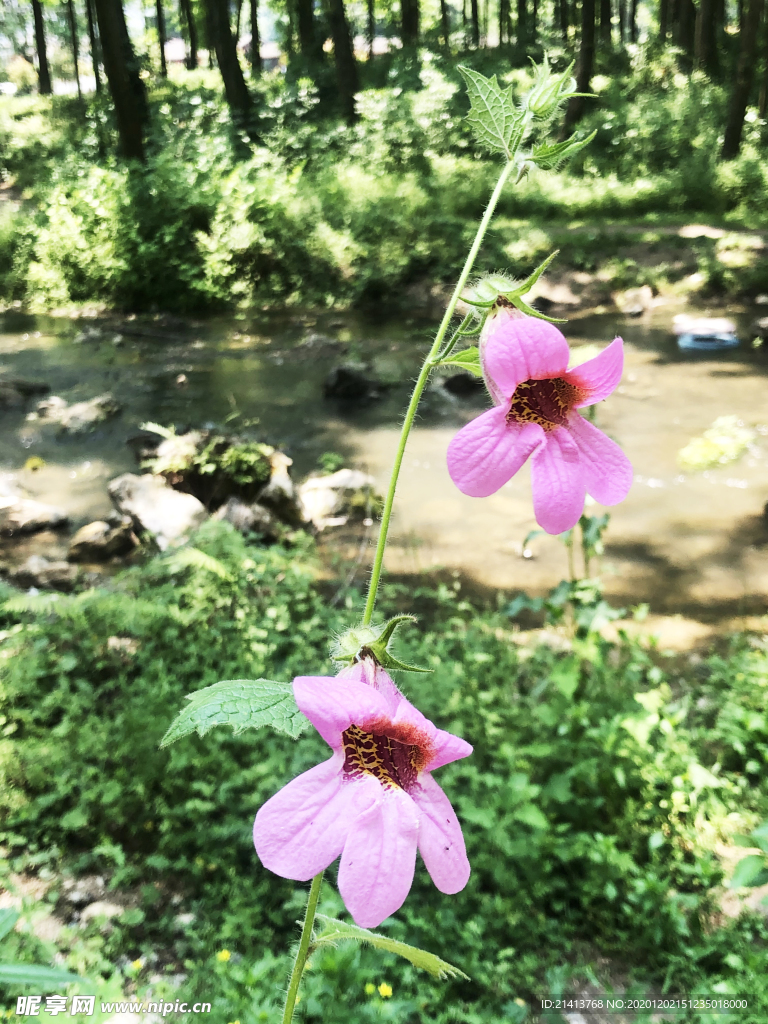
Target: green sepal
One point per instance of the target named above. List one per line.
(339, 931)
(33, 974)
(467, 359)
(549, 156)
(371, 640)
(241, 703)
(516, 295)
(494, 116)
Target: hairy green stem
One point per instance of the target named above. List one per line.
(429, 363)
(303, 951)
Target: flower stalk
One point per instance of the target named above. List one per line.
(433, 358)
(303, 951)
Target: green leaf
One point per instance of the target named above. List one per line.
(8, 918)
(549, 156)
(495, 119)
(747, 871)
(241, 703)
(188, 557)
(467, 359)
(339, 931)
(32, 974)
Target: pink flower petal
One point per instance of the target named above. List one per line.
(447, 748)
(519, 348)
(607, 472)
(379, 858)
(303, 828)
(367, 671)
(489, 451)
(599, 377)
(332, 704)
(557, 477)
(441, 843)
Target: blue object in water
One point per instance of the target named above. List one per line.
(707, 342)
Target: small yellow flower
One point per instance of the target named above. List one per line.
(223, 955)
(370, 988)
(137, 964)
(385, 990)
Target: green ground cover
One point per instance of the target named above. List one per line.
(326, 213)
(604, 775)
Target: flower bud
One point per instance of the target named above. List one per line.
(549, 91)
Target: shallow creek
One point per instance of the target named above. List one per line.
(691, 544)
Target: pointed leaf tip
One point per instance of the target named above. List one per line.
(494, 116)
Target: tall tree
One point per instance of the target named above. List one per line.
(370, 26)
(343, 58)
(564, 20)
(622, 21)
(534, 26)
(663, 21)
(705, 37)
(409, 22)
(310, 44)
(584, 68)
(43, 71)
(255, 40)
(475, 15)
(685, 29)
(235, 89)
(503, 22)
(161, 36)
(94, 43)
(445, 24)
(187, 19)
(605, 22)
(125, 84)
(75, 45)
(522, 24)
(742, 86)
(633, 21)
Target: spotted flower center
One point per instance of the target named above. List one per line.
(546, 402)
(393, 763)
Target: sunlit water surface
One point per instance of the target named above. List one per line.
(695, 544)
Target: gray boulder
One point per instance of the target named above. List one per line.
(155, 507)
(23, 515)
(325, 499)
(39, 572)
(98, 541)
(253, 518)
(77, 418)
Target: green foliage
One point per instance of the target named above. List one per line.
(602, 778)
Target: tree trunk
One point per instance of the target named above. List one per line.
(235, 89)
(605, 23)
(503, 21)
(522, 24)
(344, 58)
(94, 44)
(161, 36)
(534, 21)
(256, 67)
(575, 110)
(187, 17)
(742, 86)
(622, 22)
(310, 46)
(445, 23)
(475, 23)
(409, 22)
(371, 27)
(705, 37)
(43, 71)
(633, 21)
(663, 21)
(564, 20)
(686, 25)
(762, 102)
(238, 21)
(75, 47)
(122, 71)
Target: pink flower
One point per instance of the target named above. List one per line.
(374, 801)
(525, 364)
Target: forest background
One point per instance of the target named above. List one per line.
(338, 170)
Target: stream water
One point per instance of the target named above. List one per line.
(691, 544)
